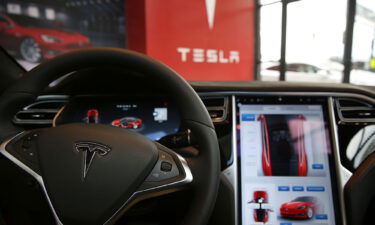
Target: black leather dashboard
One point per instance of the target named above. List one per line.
(355, 187)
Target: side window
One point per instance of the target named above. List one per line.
(292, 68)
(2, 19)
(274, 68)
(308, 69)
(4, 22)
(302, 68)
(314, 69)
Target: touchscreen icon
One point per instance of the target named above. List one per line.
(160, 114)
(283, 145)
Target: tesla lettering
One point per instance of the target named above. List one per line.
(200, 55)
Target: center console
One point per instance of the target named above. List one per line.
(285, 167)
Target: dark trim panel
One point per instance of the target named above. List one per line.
(257, 55)
(284, 17)
(261, 86)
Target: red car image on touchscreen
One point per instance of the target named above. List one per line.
(303, 207)
(283, 147)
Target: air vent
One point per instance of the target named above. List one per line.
(41, 112)
(363, 114)
(213, 102)
(25, 115)
(355, 111)
(217, 107)
(349, 102)
(47, 105)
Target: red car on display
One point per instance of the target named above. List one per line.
(261, 215)
(36, 39)
(282, 154)
(266, 154)
(303, 207)
(128, 122)
(92, 116)
(302, 158)
(260, 197)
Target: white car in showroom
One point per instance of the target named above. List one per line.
(300, 72)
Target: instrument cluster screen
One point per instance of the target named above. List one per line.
(284, 164)
(153, 118)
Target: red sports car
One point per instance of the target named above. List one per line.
(35, 39)
(283, 145)
(92, 116)
(303, 207)
(128, 122)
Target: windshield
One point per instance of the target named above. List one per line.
(206, 40)
(304, 199)
(31, 22)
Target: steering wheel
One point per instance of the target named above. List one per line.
(92, 173)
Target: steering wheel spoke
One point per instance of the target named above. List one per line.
(170, 173)
(22, 150)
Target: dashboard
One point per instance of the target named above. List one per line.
(287, 152)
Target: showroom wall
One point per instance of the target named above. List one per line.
(102, 21)
(69, 25)
(202, 40)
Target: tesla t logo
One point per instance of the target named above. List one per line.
(210, 10)
(199, 55)
(89, 150)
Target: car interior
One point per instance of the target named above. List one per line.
(148, 124)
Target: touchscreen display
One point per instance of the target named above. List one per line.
(284, 165)
(152, 118)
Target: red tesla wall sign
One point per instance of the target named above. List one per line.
(200, 39)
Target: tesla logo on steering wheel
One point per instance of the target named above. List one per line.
(90, 150)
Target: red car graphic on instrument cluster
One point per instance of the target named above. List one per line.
(36, 39)
(283, 145)
(128, 122)
(303, 207)
(92, 116)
